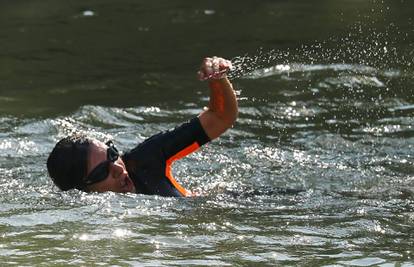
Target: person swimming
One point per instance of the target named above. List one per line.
(86, 164)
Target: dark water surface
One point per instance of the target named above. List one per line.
(326, 93)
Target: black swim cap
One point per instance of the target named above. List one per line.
(67, 163)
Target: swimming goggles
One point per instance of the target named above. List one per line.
(101, 171)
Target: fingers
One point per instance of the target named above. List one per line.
(216, 64)
(214, 68)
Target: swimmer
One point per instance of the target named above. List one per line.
(86, 164)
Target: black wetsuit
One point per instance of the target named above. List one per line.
(149, 164)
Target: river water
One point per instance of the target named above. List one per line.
(317, 171)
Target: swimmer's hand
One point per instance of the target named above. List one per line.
(214, 68)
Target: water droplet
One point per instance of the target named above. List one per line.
(88, 13)
(209, 12)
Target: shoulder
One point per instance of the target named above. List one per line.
(145, 148)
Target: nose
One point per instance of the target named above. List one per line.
(117, 170)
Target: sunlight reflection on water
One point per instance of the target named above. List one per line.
(317, 170)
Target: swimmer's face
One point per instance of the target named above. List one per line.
(117, 179)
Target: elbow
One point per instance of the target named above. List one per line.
(215, 124)
(234, 117)
(235, 114)
(230, 120)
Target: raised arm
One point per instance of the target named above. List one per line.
(222, 109)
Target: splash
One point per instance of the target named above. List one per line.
(364, 47)
(243, 65)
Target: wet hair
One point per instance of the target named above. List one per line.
(67, 163)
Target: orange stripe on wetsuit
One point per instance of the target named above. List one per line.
(168, 172)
